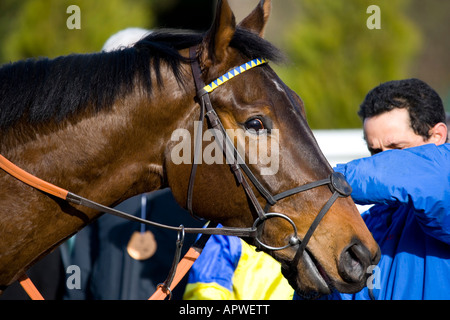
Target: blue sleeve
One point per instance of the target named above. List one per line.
(218, 261)
(417, 177)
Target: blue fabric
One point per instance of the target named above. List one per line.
(410, 220)
(218, 262)
(230, 269)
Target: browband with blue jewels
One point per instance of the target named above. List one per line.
(231, 74)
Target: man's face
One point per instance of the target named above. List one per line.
(390, 130)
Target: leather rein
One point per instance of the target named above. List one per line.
(336, 182)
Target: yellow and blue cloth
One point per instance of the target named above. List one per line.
(231, 269)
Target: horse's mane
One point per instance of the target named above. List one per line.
(53, 89)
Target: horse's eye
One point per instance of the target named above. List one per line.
(254, 124)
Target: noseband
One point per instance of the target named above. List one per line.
(336, 181)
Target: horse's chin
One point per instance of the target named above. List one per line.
(312, 281)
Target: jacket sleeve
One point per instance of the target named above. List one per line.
(417, 177)
(211, 276)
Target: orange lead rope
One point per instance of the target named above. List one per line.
(29, 288)
(31, 180)
(183, 267)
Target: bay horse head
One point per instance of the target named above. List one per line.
(258, 106)
(103, 126)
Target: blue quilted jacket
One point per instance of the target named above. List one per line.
(410, 220)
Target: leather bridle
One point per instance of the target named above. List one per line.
(336, 181)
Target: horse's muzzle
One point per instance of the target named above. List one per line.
(354, 262)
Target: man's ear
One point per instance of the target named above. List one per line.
(256, 21)
(438, 134)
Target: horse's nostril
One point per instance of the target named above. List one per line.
(354, 261)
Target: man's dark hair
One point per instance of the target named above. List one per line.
(424, 105)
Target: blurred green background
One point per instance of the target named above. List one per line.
(333, 58)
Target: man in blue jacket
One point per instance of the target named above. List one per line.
(408, 181)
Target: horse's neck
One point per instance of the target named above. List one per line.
(106, 157)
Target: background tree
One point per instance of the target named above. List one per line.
(31, 28)
(39, 27)
(335, 59)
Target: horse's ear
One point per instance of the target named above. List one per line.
(220, 34)
(257, 19)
